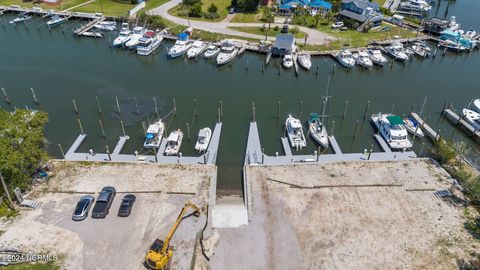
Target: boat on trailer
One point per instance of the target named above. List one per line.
(295, 134)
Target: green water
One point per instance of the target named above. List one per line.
(61, 67)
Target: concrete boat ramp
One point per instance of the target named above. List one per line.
(208, 158)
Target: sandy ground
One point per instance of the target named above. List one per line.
(113, 242)
(296, 226)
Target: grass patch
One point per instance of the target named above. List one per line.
(261, 31)
(64, 4)
(33, 266)
(107, 7)
(6, 212)
(380, 2)
(222, 5)
(354, 39)
(248, 17)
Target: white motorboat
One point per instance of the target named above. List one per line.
(452, 45)
(123, 36)
(377, 57)
(317, 130)
(392, 128)
(287, 61)
(174, 142)
(135, 36)
(180, 48)
(345, 58)
(397, 52)
(154, 135)
(203, 139)
(295, 134)
(106, 26)
(149, 42)
(212, 50)
(55, 20)
(94, 34)
(23, 17)
(198, 47)
(227, 53)
(413, 127)
(421, 49)
(453, 24)
(472, 117)
(305, 61)
(363, 60)
(471, 33)
(416, 5)
(476, 105)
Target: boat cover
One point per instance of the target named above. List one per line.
(182, 36)
(395, 120)
(150, 136)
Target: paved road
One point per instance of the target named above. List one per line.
(314, 36)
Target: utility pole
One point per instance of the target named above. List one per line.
(10, 202)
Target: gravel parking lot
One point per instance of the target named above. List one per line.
(113, 242)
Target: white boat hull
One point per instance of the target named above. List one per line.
(223, 58)
(394, 145)
(202, 143)
(320, 137)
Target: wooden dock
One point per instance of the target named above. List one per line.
(335, 147)
(460, 122)
(382, 143)
(80, 31)
(42, 12)
(432, 134)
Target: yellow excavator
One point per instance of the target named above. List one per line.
(159, 254)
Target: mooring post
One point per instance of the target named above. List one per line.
(421, 149)
(136, 106)
(316, 71)
(278, 109)
(123, 128)
(366, 109)
(188, 131)
(221, 109)
(246, 65)
(195, 107)
(318, 153)
(80, 125)
(34, 96)
(355, 131)
(118, 105)
(370, 152)
(393, 108)
(155, 154)
(301, 109)
(6, 97)
(333, 126)
(174, 107)
(108, 153)
(101, 128)
(345, 109)
(218, 114)
(253, 111)
(98, 105)
(75, 108)
(61, 150)
(263, 155)
(156, 107)
(263, 67)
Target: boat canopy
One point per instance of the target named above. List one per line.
(395, 120)
(182, 36)
(150, 136)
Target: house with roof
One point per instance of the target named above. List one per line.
(284, 44)
(285, 7)
(361, 11)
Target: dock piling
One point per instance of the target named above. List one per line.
(144, 127)
(219, 116)
(6, 96)
(366, 109)
(301, 109)
(345, 109)
(221, 109)
(61, 150)
(253, 111)
(101, 128)
(356, 128)
(174, 107)
(195, 108)
(108, 153)
(188, 131)
(123, 128)
(118, 105)
(333, 126)
(75, 108)
(80, 126)
(156, 107)
(34, 96)
(98, 105)
(316, 71)
(155, 154)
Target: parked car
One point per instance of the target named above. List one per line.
(284, 29)
(104, 201)
(82, 208)
(127, 205)
(337, 25)
(232, 10)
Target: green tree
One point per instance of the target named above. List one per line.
(21, 146)
(195, 10)
(248, 5)
(191, 2)
(212, 8)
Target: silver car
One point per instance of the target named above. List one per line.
(82, 208)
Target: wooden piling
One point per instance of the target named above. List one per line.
(123, 128)
(118, 105)
(356, 128)
(316, 71)
(195, 108)
(221, 109)
(6, 96)
(144, 127)
(101, 128)
(98, 105)
(333, 126)
(61, 150)
(366, 109)
(156, 107)
(80, 126)
(155, 154)
(188, 131)
(345, 109)
(174, 107)
(253, 111)
(301, 109)
(218, 109)
(75, 108)
(278, 110)
(136, 106)
(108, 152)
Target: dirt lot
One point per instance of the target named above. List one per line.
(339, 226)
(113, 242)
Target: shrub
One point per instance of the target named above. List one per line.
(211, 15)
(212, 8)
(294, 30)
(276, 28)
(195, 10)
(153, 20)
(191, 2)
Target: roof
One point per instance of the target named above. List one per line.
(362, 3)
(353, 15)
(284, 41)
(320, 3)
(395, 120)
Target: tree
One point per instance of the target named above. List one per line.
(190, 2)
(248, 5)
(234, 3)
(195, 10)
(212, 8)
(21, 146)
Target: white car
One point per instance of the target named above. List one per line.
(337, 25)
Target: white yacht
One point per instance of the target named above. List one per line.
(154, 135)
(287, 61)
(472, 117)
(174, 142)
(412, 126)
(180, 48)
(453, 25)
(377, 57)
(198, 47)
(135, 36)
(212, 50)
(396, 51)
(317, 130)
(106, 26)
(392, 128)
(476, 105)
(416, 5)
(149, 42)
(23, 17)
(203, 139)
(227, 53)
(345, 58)
(421, 49)
(55, 20)
(471, 33)
(295, 134)
(304, 60)
(363, 60)
(123, 36)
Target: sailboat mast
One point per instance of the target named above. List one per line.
(326, 97)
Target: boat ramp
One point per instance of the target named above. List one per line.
(208, 158)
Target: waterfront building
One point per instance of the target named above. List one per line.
(361, 11)
(285, 7)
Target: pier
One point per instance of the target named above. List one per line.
(461, 123)
(430, 132)
(208, 158)
(85, 28)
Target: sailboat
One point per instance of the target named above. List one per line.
(317, 130)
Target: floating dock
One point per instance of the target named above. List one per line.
(460, 122)
(208, 158)
(432, 134)
(85, 28)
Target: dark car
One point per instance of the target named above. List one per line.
(104, 201)
(284, 29)
(127, 205)
(82, 208)
(231, 11)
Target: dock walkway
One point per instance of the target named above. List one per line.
(462, 124)
(432, 134)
